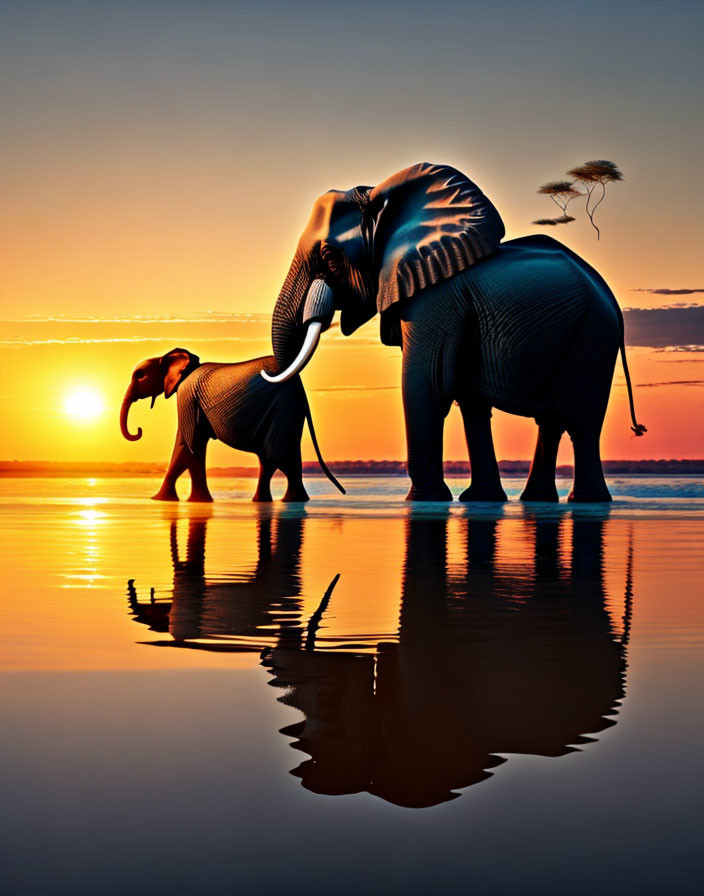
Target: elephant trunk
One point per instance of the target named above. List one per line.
(287, 318)
(127, 402)
(318, 310)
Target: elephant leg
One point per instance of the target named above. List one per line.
(589, 484)
(435, 349)
(424, 435)
(486, 481)
(424, 414)
(179, 463)
(263, 492)
(199, 483)
(540, 485)
(292, 468)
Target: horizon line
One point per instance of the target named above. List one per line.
(89, 469)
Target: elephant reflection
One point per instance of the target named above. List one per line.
(485, 664)
(489, 660)
(207, 614)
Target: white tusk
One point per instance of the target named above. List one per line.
(303, 357)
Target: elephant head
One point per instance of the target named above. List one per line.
(152, 377)
(366, 249)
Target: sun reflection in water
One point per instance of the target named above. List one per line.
(90, 522)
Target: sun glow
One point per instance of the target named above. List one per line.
(83, 405)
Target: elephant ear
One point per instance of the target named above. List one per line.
(176, 365)
(431, 222)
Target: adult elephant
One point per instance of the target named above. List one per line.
(525, 326)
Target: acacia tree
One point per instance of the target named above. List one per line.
(590, 176)
(562, 193)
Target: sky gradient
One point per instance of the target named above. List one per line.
(162, 158)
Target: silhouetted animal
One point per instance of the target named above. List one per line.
(230, 402)
(485, 664)
(489, 659)
(525, 326)
(252, 605)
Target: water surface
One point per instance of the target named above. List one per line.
(355, 694)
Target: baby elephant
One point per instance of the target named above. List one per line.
(233, 403)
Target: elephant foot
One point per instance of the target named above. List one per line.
(440, 493)
(546, 494)
(476, 492)
(295, 495)
(165, 494)
(590, 496)
(200, 498)
(262, 498)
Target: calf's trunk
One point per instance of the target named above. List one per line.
(124, 411)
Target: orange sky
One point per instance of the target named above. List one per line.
(352, 385)
(164, 166)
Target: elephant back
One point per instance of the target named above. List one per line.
(535, 304)
(243, 410)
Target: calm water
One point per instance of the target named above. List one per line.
(355, 696)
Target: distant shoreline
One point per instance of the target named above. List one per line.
(82, 470)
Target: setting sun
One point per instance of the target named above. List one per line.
(83, 405)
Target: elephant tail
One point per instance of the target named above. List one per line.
(323, 465)
(637, 427)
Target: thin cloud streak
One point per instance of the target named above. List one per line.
(357, 389)
(211, 317)
(671, 383)
(673, 328)
(666, 291)
(76, 340)
(694, 349)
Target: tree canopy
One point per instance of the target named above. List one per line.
(591, 177)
